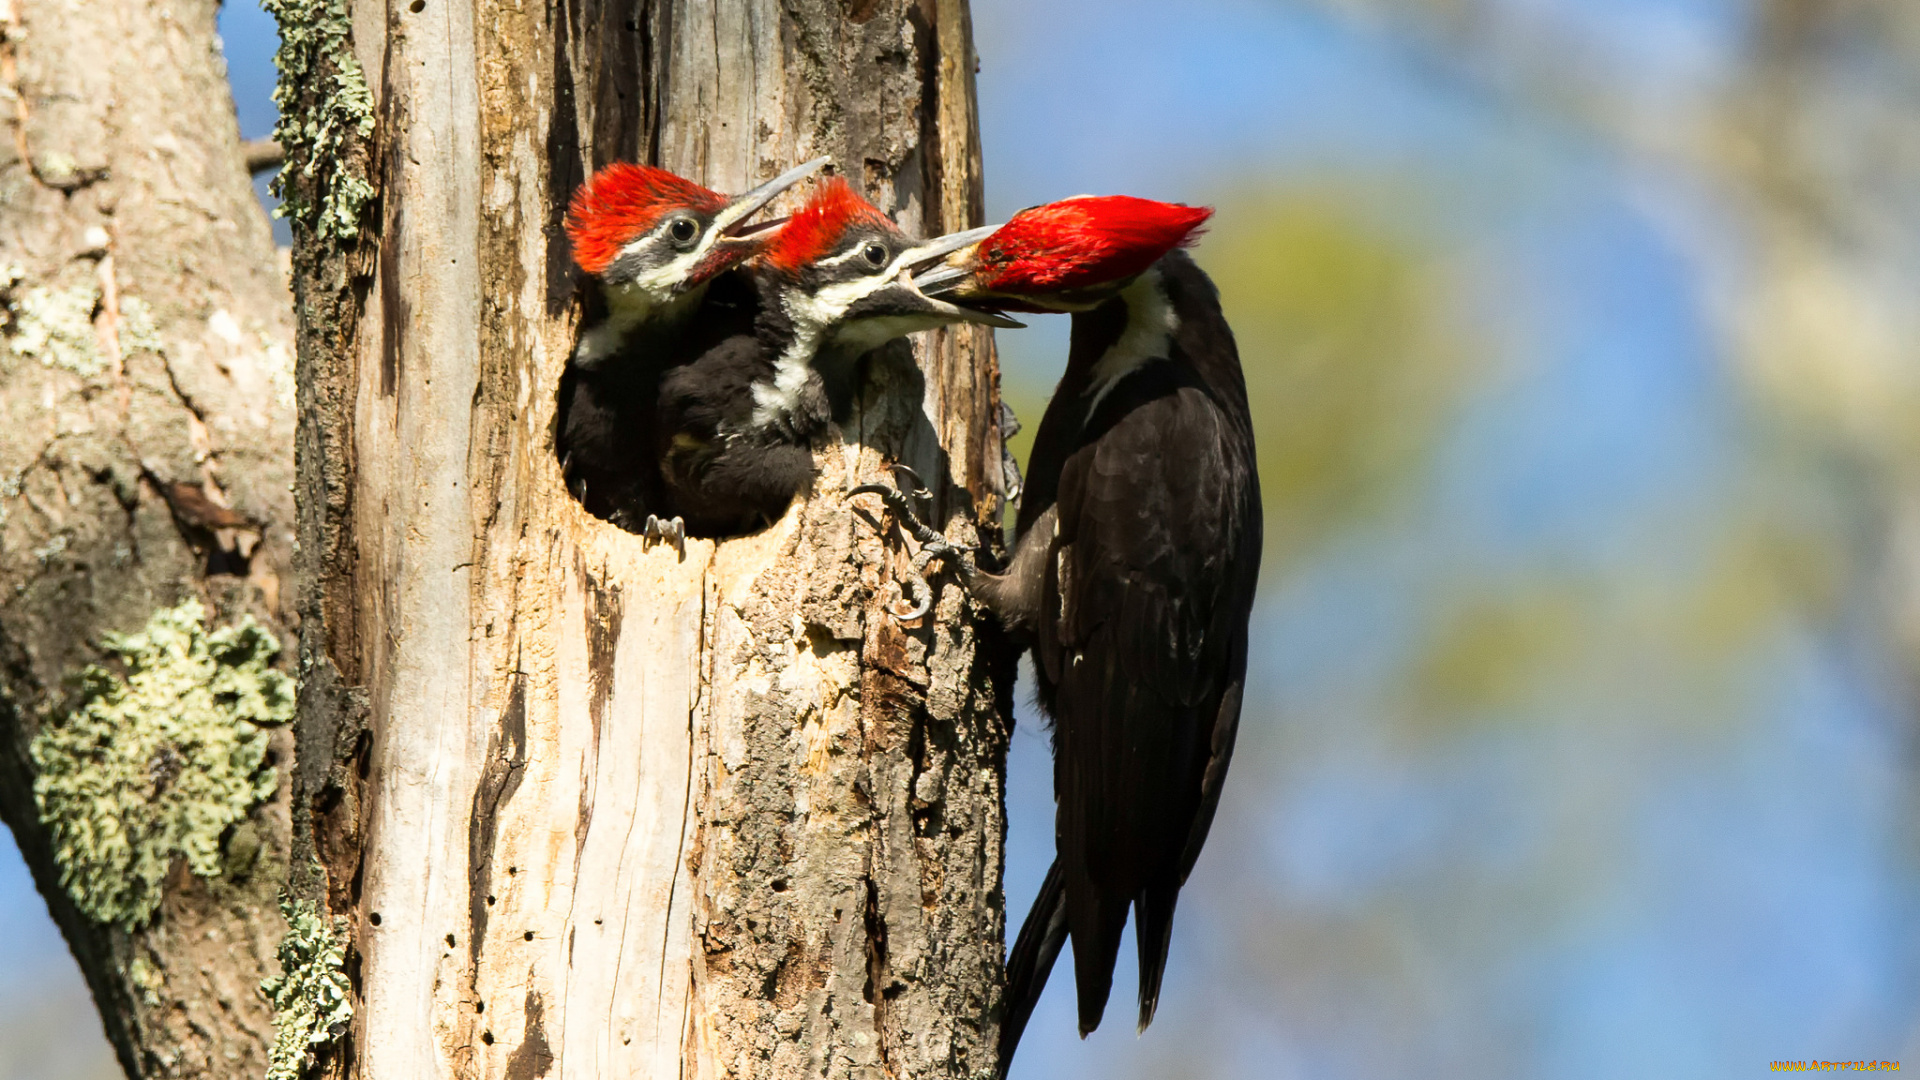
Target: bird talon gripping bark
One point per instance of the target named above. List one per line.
(896, 501)
(912, 586)
(933, 545)
(672, 531)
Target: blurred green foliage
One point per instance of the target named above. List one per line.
(1667, 630)
(1354, 362)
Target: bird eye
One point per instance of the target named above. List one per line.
(876, 254)
(682, 230)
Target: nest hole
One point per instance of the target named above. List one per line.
(616, 444)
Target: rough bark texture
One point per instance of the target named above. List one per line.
(146, 403)
(592, 809)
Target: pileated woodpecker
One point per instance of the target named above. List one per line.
(1133, 574)
(736, 423)
(658, 243)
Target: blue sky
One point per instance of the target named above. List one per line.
(1636, 869)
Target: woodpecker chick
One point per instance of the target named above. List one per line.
(737, 423)
(661, 247)
(655, 241)
(1132, 576)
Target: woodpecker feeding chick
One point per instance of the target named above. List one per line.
(736, 423)
(1132, 576)
(661, 247)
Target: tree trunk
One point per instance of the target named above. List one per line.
(146, 396)
(587, 808)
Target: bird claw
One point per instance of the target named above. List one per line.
(919, 486)
(916, 593)
(1010, 479)
(672, 530)
(1011, 482)
(576, 485)
(933, 545)
(896, 501)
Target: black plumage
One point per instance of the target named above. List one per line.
(745, 398)
(608, 426)
(692, 401)
(728, 463)
(1132, 581)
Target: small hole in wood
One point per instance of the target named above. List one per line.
(487, 1037)
(450, 941)
(417, 6)
(529, 935)
(780, 885)
(489, 901)
(374, 918)
(479, 1006)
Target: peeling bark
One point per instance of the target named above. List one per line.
(146, 397)
(592, 809)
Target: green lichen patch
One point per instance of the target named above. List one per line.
(138, 333)
(321, 132)
(158, 763)
(51, 325)
(147, 979)
(310, 1003)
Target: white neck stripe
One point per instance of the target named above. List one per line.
(1148, 336)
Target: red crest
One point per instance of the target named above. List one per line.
(1082, 242)
(812, 232)
(623, 201)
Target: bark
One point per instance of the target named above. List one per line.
(586, 808)
(146, 398)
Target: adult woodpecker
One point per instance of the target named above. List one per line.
(659, 245)
(1132, 576)
(736, 424)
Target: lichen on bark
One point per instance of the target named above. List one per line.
(51, 325)
(323, 183)
(158, 763)
(311, 1003)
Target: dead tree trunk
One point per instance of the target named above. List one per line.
(146, 430)
(586, 809)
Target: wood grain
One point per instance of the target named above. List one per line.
(626, 813)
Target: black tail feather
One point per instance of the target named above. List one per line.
(1153, 932)
(1095, 922)
(1031, 961)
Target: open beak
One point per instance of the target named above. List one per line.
(904, 297)
(735, 241)
(913, 288)
(942, 280)
(942, 246)
(955, 270)
(901, 298)
(728, 222)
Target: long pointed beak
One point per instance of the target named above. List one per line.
(901, 299)
(732, 241)
(964, 314)
(942, 279)
(942, 246)
(747, 204)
